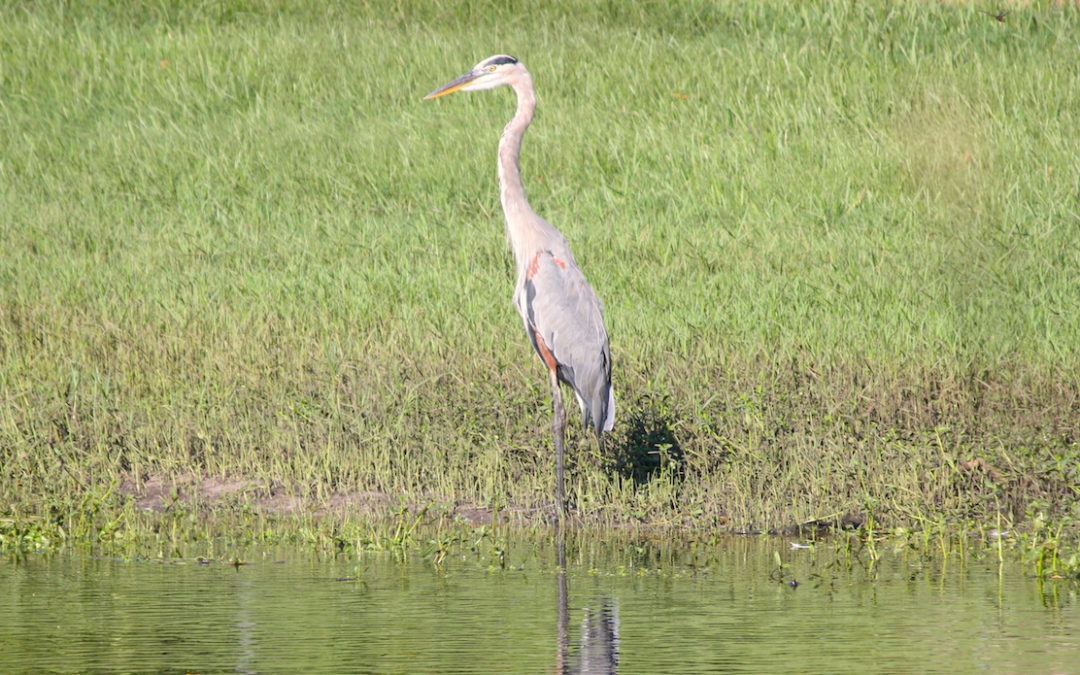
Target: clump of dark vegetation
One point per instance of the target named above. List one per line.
(648, 449)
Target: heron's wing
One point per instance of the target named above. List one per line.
(564, 320)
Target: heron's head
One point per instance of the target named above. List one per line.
(491, 72)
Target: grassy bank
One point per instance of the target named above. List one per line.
(838, 246)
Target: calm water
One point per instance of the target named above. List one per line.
(618, 608)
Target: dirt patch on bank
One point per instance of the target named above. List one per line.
(159, 493)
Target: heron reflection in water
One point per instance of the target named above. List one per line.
(598, 649)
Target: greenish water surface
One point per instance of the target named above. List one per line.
(626, 608)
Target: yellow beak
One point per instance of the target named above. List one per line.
(451, 87)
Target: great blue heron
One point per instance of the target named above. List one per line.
(561, 312)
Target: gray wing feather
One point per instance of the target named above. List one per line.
(556, 301)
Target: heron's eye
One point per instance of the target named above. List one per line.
(491, 69)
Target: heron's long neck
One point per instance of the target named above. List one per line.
(519, 215)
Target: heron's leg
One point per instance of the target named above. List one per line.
(558, 426)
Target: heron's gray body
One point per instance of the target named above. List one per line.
(559, 309)
(561, 314)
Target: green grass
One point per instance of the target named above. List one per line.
(838, 245)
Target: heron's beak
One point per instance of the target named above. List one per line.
(451, 87)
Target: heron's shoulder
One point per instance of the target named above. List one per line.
(556, 242)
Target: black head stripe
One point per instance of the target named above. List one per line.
(500, 60)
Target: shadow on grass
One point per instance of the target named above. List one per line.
(649, 448)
